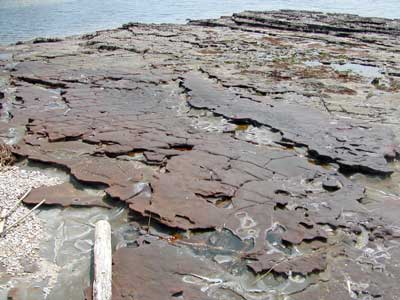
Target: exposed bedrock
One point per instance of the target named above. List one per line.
(308, 21)
(237, 137)
(353, 146)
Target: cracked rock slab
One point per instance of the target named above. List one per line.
(65, 194)
(157, 271)
(235, 136)
(353, 146)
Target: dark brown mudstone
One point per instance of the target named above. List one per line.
(236, 134)
(156, 271)
(64, 194)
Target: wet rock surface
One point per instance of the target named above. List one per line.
(149, 260)
(327, 139)
(65, 194)
(238, 143)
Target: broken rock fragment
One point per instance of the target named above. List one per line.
(65, 194)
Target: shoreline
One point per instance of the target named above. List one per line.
(253, 152)
(39, 39)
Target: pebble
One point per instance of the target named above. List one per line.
(20, 245)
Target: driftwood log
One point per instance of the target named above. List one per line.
(102, 261)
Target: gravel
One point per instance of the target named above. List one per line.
(19, 248)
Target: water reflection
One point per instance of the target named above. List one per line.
(363, 70)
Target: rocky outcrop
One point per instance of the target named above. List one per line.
(308, 21)
(235, 143)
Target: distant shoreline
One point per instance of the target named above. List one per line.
(64, 18)
(41, 39)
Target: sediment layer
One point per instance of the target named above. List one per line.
(238, 135)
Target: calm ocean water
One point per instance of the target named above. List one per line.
(26, 19)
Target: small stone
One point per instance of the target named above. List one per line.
(331, 184)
